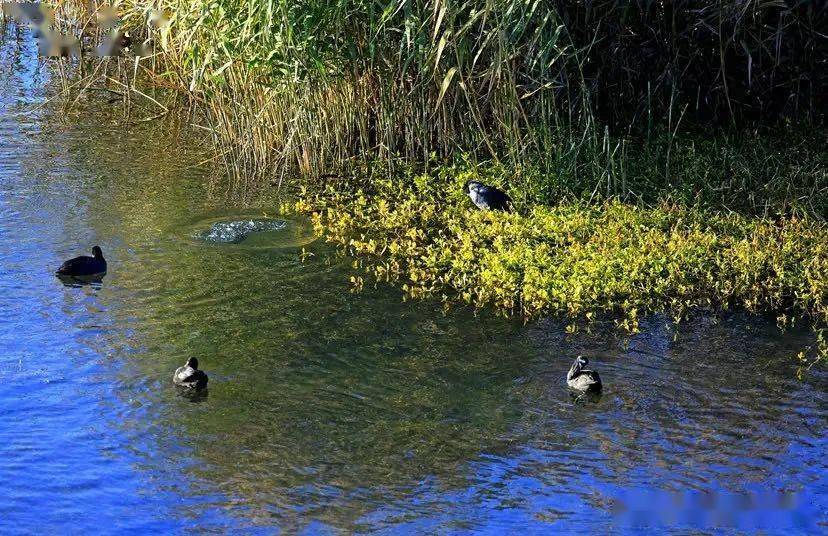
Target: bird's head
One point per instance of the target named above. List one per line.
(97, 253)
(471, 185)
(192, 363)
(578, 365)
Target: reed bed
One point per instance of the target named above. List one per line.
(572, 91)
(599, 99)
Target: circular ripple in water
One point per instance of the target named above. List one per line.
(257, 232)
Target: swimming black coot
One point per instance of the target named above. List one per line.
(84, 265)
(190, 376)
(583, 379)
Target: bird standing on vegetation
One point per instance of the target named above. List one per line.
(84, 265)
(190, 376)
(583, 379)
(487, 197)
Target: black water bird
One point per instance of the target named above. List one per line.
(190, 376)
(583, 379)
(487, 197)
(84, 266)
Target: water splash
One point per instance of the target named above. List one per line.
(234, 232)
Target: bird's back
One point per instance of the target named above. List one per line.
(585, 380)
(491, 198)
(190, 377)
(82, 265)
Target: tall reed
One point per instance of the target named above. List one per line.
(568, 89)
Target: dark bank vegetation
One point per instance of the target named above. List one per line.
(712, 100)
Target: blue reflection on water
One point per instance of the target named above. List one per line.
(65, 460)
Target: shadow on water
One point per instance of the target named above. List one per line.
(329, 410)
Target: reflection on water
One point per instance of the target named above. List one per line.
(333, 410)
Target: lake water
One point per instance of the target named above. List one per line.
(330, 411)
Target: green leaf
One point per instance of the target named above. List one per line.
(446, 83)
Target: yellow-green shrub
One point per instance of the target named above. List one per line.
(577, 259)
